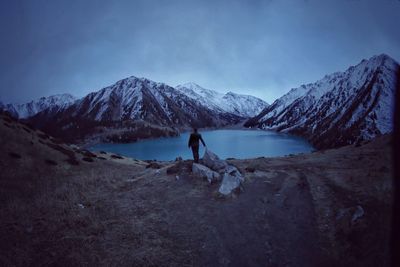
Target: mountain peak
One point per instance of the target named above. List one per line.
(382, 56)
(379, 60)
(241, 105)
(193, 86)
(342, 108)
(190, 84)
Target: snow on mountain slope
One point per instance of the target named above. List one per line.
(244, 105)
(127, 104)
(54, 102)
(341, 108)
(142, 99)
(241, 105)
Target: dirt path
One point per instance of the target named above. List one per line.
(271, 223)
(295, 211)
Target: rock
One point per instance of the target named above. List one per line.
(181, 167)
(153, 165)
(231, 180)
(173, 169)
(205, 172)
(87, 159)
(348, 219)
(250, 169)
(358, 213)
(213, 162)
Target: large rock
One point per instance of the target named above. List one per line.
(213, 162)
(231, 180)
(205, 172)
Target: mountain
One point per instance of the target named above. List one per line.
(131, 108)
(342, 108)
(26, 110)
(240, 105)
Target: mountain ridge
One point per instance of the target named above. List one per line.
(238, 104)
(341, 108)
(29, 109)
(126, 106)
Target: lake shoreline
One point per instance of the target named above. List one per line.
(227, 142)
(95, 141)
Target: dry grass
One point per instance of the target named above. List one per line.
(114, 211)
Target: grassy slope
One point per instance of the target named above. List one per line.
(68, 207)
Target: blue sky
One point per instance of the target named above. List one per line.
(262, 48)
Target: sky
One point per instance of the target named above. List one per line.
(260, 47)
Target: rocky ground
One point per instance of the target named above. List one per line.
(62, 206)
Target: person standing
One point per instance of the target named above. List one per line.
(194, 143)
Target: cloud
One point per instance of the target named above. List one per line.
(258, 47)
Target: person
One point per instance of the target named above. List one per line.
(193, 143)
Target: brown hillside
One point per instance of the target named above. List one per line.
(63, 206)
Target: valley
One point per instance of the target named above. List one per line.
(61, 205)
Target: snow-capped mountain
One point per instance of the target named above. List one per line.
(26, 110)
(342, 108)
(127, 102)
(241, 105)
(142, 99)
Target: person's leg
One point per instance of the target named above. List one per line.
(195, 150)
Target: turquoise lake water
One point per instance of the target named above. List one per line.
(238, 144)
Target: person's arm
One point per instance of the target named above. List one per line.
(201, 139)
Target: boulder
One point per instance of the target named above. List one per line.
(180, 167)
(213, 162)
(205, 172)
(231, 180)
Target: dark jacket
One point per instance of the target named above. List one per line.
(194, 140)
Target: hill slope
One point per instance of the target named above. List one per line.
(53, 103)
(64, 206)
(342, 108)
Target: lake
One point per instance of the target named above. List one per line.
(238, 144)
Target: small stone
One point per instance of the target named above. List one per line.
(357, 214)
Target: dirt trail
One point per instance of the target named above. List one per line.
(276, 221)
